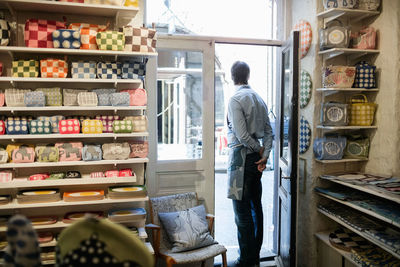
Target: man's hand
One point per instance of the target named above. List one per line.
(261, 164)
(261, 152)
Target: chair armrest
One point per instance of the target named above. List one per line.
(156, 229)
(210, 218)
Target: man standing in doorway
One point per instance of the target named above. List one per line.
(248, 124)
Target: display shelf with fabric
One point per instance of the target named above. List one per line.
(350, 52)
(344, 90)
(340, 161)
(335, 128)
(69, 80)
(353, 15)
(72, 108)
(73, 136)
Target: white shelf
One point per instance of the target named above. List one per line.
(70, 136)
(78, 52)
(376, 242)
(69, 8)
(352, 90)
(353, 14)
(367, 189)
(150, 247)
(340, 161)
(50, 244)
(14, 205)
(73, 163)
(345, 127)
(69, 80)
(19, 183)
(72, 108)
(364, 210)
(351, 52)
(324, 237)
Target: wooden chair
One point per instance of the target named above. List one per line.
(161, 244)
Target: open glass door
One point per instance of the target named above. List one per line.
(286, 155)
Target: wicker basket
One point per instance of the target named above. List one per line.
(361, 112)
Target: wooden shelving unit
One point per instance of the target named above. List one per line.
(71, 136)
(340, 161)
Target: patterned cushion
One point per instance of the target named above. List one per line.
(53, 68)
(64, 38)
(92, 127)
(34, 99)
(88, 33)
(39, 127)
(25, 68)
(122, 126)
(54, 120)
(120, 99)
(187, 229)
(4, 33)
(15, 97)
(38, 32)
(109, 70)
(133, 70)
(47, 154)
(196, 255)
(71, 151)
(104, 96)
(139, 123)
(83, 70)
(92, 152)
(87, 99)
(140, 39)
(71, 126)
(17, 126)
(116, 151)
(70, 96)
(23, 154)
(53, 96)
(110, 40)
(107, 122)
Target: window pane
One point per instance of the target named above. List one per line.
(231, 18)
(180, 104)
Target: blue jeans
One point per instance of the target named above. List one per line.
(249, 214)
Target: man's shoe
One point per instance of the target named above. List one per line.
(237, 263)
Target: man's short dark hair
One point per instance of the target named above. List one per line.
(240, 72)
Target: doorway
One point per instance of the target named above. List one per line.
(262, 62)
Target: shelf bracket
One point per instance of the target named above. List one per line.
(115, 111)
(116, 58)
(11, 54)
(338, 15)
(355, 56)
(115, 84)
(13, 140)
(360, 18)
(333, 55)
(12, 11)
(12, 83)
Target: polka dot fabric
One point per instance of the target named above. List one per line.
(365, 76)
(305, 36)
(69, 39)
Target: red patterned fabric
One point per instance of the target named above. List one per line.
(2, 99)
(138, 96)
(113, 173)
(2, 127)
(6, 176)
(139, 149)
(125, 173)
(97, 175)
(39, 176)
(38, 32)
(71, 126)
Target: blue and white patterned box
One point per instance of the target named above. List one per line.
(53, 121)
(133, 70)
(34, 99)
(83, 70)
(39, 127)
(17, 126)
(120, 99)
(104, 96)
(329, 148)
(64, 38)
(365, 76)
(109, 70)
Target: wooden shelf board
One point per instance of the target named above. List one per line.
(14, 205)
(345, 127)
(19, 183)
(72, 108)
(340, 161)
(70, 8)
(150, 247)
(79, 52)
(364, 210)
(332, 89)
(346, 12)
(72, 163)
(324, 237)
(69, 80)
(387, 196)
(79, 136)
(372, 240)
(352, 52)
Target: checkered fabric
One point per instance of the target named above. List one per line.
(346, 240)
(2, 99)
(134, 3)
(54, 120)
(15, 97)
(25, 68)
(6, 176)
(104, 96)
(365, 76)
(107, 122)
(361, 111)
(39, 127)
(53, 68)
(305, 136)
(83, 70)
(53, 96)
(305, 88)
(105, 2)
(140, 39)
(133, 70)
(87, 99)
(110, 40)
(109, 70)
(139, 123)
(92, 127)
(305, 36)
(65, 38)
(96, 175)
(4, 33)
(120, 99)
(71, 126)
(122, 126)
(88, 33)
(34, 99)
(70, 96)
(38, 32)
(2, 127)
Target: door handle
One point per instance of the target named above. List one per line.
(285, 177)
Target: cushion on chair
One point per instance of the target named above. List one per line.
(187, 229)
(196, 255)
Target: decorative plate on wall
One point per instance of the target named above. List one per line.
(305, 135)
(305, 88)
(305, 36)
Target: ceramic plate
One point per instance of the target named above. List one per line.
(352, 176)
(127, 189)
(305, 88)
(128, 212)
(36, 193)
(305, 36)
(305, 135)
(43, 220)
(84, 194)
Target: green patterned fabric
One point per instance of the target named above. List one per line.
(53, 96)
(25, 68)
(305, 88)
(122, 126)
(56, 176)
(47, 154)
(40, 127)
(110, 40)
